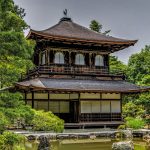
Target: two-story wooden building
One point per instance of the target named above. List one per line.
(72, 78)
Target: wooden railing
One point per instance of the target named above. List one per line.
(73, 70)
(70, 70)
(88, 117)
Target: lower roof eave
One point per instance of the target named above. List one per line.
(55, 90)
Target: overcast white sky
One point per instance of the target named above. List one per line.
(128, 19)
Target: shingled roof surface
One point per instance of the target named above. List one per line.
(66, 28)
(82, 85)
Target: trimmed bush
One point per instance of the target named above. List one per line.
(134, 123)
(47, 121)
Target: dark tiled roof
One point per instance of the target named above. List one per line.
(82, 85)
(70, 30)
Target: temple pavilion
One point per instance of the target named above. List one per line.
(72, 78)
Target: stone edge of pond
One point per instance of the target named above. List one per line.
(82, 135)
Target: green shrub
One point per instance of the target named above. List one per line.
(135, 123)
(9, 140)
(123, 126)
(26, 113)
(47, 121)
(3, 122)
(132, 110)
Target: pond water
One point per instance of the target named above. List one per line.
(104, 143)
(86, 144)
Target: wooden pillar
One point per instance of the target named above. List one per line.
(25, 97)
(69, 58)
(47, 56)
(110, 112)
(48, 100)
(90, 60)
(101, 102)
(121, 103)
(40, 62)
(79, 108)
(108, 62)
(32, 99)
(53, 60)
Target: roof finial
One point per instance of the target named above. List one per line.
(65, 12)
(65, 17)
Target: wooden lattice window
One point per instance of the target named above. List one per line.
(99, 60)
(59, 58)
(43, 59)
(79, 59)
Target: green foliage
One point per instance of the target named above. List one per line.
(10, 100)
(144, 99)
(116, 66)
(12, 40)
(9, 140)
(145, 80)
(134, 123)
(139, 67)
(14, 108)
(14, 44)
(12, 138)
(26, 113)
(138, 72)
(122, 127)
(47, 121)
(15, 58)
(147, 120)
(12, 68)
(132, 110)
(139, 147)
(15, 49)
(96, 26)
(11, 16)
(2, 142)
(3, 122)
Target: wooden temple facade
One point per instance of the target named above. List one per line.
(72, 77)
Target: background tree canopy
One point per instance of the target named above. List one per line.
(15, 58)
(139, 67)
(15, 50)
(96, 26)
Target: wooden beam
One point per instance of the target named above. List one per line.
(79, 107)
(32, 99)
(25, 97)
(48, 100)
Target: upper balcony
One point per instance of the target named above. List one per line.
(73, 71)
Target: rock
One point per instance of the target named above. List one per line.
(128, 134)
(62, 136)
(44, 143)
(83, 136)
(31, 138)
(123, 146)
(72, 136)
(146, 138)
(92, 137)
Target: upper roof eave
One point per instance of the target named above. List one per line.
(48, 36)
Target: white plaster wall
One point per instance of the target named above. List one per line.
(110, 96)
(90, 96)
(105, 105)
(115, 107)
